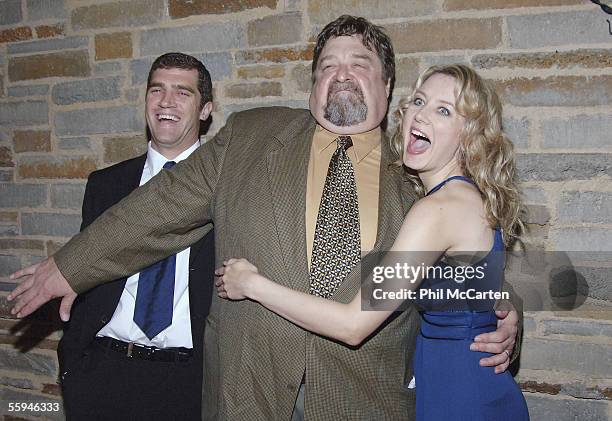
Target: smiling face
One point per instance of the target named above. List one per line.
(173, 111)
(349, 94)
(432, 127)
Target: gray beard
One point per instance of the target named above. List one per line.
(345, 110)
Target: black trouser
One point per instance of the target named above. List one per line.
(106, 385)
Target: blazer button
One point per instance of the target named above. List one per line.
(104, 319)
(291, 387)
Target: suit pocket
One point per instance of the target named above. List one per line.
(85, 364)
(74, 370)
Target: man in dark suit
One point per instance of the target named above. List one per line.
(261, 179)
(114, 362)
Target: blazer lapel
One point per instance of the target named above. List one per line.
(132, 179)
(395, 197)
(287, 172)
(122, 187)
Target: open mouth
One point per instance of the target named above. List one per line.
(418, 142)
(167, 118)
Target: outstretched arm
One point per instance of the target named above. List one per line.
(132, 234)
(239, 279)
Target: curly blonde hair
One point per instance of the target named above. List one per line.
(485, 154)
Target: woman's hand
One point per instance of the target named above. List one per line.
(234, 278)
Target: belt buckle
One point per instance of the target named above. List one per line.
(129, 349)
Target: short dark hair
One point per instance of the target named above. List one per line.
(373, 37)
(186, 62)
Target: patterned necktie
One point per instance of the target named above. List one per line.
(337, 240)
(155, 294)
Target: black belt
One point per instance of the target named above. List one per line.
(151, 353)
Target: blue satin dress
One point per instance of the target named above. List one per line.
(450, 383)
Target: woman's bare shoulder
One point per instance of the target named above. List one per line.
(464, 217)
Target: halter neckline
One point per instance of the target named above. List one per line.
(454, 177)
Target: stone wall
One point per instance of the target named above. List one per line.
(72, 81)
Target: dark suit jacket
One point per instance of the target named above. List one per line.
(95, 308)
(250, 179)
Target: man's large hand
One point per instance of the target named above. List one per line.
(501, 342)
(42, 282)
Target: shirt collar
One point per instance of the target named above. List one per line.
(155, 161)
(363, 143)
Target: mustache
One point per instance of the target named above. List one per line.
(342, 110)
(344, 86)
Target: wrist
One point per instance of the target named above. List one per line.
(253, 287)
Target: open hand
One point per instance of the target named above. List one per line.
(501, 342)
(40, 283)
(233, 279)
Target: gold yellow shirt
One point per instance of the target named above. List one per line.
(365, 157)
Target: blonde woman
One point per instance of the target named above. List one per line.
(451, 142)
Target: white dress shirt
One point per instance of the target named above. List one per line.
(121, 325)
